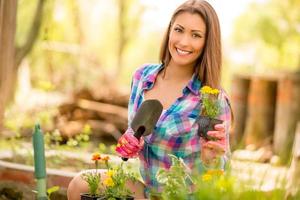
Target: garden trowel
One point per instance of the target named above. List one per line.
(146, 118)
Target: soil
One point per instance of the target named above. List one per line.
(18, 191)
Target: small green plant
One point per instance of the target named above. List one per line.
(213, 184)
(53, 139)
(93, 178)
(82, 138)
(210, 102)
(114, 185)
(175, 180)
(104, 149)
(51, 190)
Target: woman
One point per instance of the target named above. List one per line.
(190, 58)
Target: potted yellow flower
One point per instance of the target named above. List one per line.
(93, 179)
(112, 185)
(210, 110)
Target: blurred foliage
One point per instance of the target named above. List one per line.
(79, 42)
(272, 30)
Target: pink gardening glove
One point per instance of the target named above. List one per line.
(128, 146)
(211, 150)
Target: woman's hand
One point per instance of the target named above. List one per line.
(129, 146)
(212, 150)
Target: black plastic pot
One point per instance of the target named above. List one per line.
(207, 124)
(86, 196)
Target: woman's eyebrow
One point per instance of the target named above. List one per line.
(196, 30)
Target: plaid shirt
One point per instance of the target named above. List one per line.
(176, 131)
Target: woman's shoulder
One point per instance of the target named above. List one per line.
(146, 69)
(224, 96)
(223, 93)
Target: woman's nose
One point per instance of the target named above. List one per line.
(185, 40)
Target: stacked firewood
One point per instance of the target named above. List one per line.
(105, 112)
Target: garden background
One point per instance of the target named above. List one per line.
(67, 64)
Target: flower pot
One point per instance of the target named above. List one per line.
(86, 196)
(206, 124)
(127, 198)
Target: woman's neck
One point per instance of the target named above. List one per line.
(177, 73)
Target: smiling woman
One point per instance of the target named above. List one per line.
(187, 39)
(190, 59)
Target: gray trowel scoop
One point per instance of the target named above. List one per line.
(146, 118)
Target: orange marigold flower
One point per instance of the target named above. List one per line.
(105, 158)
(96, 156)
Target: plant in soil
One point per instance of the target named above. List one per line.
(210, 110)
(113, 182)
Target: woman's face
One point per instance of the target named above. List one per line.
(186, 39)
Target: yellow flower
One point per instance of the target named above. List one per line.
(206, 177)
(215, 172)
(206, 90)
(209, 90)
(108, 182)
(111, 173)
(215, 91)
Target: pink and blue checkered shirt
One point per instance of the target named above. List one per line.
(176, 131)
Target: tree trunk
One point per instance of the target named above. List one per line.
(8, 12)
(261, 106)
(293, 183)
(22, 51)
(287, 115)
(239, 97)
(122, 34)
(34, 29)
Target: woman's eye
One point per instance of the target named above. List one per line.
(197, 36)
(177, 30)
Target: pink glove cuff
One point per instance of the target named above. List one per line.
(129, 146)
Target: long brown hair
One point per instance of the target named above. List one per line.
(208, 65)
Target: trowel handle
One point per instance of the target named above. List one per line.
(138, 134)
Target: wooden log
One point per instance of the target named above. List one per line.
(84, 93)
(287, 115)
(261, 111)
(239, 101)
(99, 128)
(112, 96)
(102, 128)
(116, 115)
(293, 183)
(103, 108)
(70, 129)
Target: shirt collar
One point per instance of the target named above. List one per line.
(150, 77)
(194, 84)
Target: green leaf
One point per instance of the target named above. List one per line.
(52, 189)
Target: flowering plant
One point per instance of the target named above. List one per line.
(210, 109)
(175, 180)
(93, 178)
(114, 183)
(210, 102)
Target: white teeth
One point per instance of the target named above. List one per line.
(182, 52)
